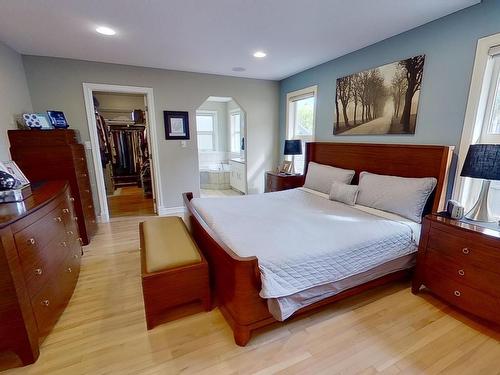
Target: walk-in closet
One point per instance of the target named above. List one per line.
(123, 142)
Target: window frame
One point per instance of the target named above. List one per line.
(231, 134)
(486, 68)
(212, 114)
(291, 97)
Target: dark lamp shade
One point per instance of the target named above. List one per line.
(293, 147)
(482, 161)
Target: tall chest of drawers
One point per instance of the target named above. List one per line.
(460, 263)
(40, 253)
(57, 155)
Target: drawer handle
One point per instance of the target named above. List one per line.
(45, 302)
(69, 270)
(75, 256)
(84, 175)
(38, 271)
(64, 244)
(65, 211)
(82, 159)
(87, 190)
(457, 293)
(465, 250)
(58, 219)
(31, 241)
(70, 232)
(93, 221)
(80, 240)
(71, 199)
(89, 206)
(75, 218)
(461, 272)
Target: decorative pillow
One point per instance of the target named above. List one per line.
(344, 193)
(400, 195)
(320, 177)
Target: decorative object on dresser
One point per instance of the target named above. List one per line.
(57, 155)
(40, 252)
(276, 181)
(459, 262)
(483, 162)
(293, 147)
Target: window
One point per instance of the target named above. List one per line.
(482, 122)
(300, 119)
(235, 129)
(205, 127)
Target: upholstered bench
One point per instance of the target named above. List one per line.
(174, 272)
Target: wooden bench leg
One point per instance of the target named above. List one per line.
(242, 335)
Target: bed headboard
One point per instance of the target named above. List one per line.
(389, 159)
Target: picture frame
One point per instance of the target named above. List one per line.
(285, 167)
(44, 120)
(176, 125)
(12, 168)
(57, 119)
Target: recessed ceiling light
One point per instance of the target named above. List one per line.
(105, 30)
(238, 69)
(259, 54)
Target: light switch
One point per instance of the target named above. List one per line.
(183, 144)
(88, 145)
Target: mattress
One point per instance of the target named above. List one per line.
(303, 240)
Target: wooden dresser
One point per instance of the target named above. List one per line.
(278, 181)
(460, 263)
(57, 155)
(40, 255)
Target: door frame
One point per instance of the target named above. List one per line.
(88, 89)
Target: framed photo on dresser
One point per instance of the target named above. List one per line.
(11, 168)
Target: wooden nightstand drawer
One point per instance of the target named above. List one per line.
(465, 273)
(464, 297)
(465, 250)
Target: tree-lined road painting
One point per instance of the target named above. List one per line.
(383, 100)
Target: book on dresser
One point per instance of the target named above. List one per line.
(459, 261)
(57, 155)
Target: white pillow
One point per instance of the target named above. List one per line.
(344, 193)
(400, 195)
(320, 177)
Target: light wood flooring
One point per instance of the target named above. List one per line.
(129, 201)
(387, 331)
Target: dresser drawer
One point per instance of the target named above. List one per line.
(38, 234)
(464, 297)
(479, 279)
(465, 250)
(39, 265)
(50, 302)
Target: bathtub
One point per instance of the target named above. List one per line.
(215, 176)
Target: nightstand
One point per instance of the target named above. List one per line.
(278, 181)
(460, 262)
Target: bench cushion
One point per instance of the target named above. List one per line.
(168, 244)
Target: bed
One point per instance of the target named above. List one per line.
(263, 272)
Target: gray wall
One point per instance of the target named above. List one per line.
(57, 83)
(14, 94)
(449, 44)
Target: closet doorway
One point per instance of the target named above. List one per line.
(122, 151)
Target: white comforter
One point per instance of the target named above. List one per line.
(302, 239)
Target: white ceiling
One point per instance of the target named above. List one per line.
(212, 36)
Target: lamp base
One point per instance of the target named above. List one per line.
(480, 210)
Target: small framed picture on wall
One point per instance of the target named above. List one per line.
(176, 124)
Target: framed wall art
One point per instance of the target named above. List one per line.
(176, 124)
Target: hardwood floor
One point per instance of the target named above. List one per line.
(129, 201)
(389, 331)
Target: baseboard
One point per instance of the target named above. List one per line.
(171, 211)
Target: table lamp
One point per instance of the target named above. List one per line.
(482, 161)
(293, 147)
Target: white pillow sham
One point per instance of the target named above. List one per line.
(344, 193)
(400, 195)
(320, 177)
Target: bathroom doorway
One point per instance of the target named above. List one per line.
(221, 130)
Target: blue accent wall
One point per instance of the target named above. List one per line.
(449, 44)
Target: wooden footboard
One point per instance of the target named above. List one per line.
(235, 280)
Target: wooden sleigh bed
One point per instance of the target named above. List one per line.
(236, 281)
